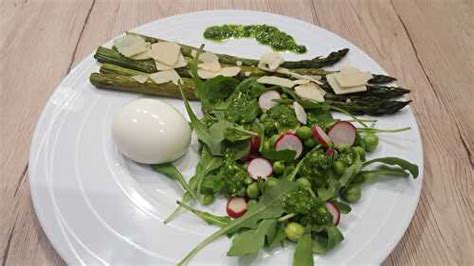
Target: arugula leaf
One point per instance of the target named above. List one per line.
(327, 240)
(198, 83)
(207, 164)
(282, 155)
(238, 133)
(203, 133)
(278, 239)
(169, 170)
(342, 207)
(303, 255)
(206, 216)
(405, 165)
(251, 241)
(238, 150)
(217, 90)
(270, 206)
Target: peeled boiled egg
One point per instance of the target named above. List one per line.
(150, 131)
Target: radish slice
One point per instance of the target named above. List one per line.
(300, 113)
(330, 152)
(266, 99)
(289, 141)
(320, 136)
(343, 133)
(259, 168)
(336, 215)
(254, 144)
(236, 207)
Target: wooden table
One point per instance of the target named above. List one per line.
(427, 44)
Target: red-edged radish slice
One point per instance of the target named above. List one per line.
(259, 168)
(266, 99)
(300, 113)
(236, 207)
(320, 136)
(336, 214)
(342, 133)
(330, 152)
(289, 141)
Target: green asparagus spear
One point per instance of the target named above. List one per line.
(105, 55)
(381, 79)
(317, 62)
(371, 105)
(128, 84)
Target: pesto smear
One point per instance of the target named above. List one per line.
(264, 34)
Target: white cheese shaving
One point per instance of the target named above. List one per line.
(300, 113)
(130, 45)
(247, 73)
(238, 63)
(181, 63)
(286, 71)
(301, 81)
(210, 62)
(350, 76)
(225, 71)
(141, 78)
(270, 61)
(310, 91)
(165, 76)
(272, 80)
(165, 52)
(331, 78)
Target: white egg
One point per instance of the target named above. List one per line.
(150, 131)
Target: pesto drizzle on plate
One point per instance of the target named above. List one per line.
(264, 34)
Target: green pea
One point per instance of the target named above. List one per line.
(304, 133)
(371, 141)
(294, 231)
(278, 167)
(352, 193)
(248, 181)
(251, 202)
(207, 199)
(303, 182)
(361, 151)
(253, 191)
(273, 139)
(266, 145)
(359, 141)
(271, 182)
(310, 143)
(338, 167)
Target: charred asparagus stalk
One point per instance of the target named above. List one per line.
(368, 104)
(128, 84)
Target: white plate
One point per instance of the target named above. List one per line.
(97, 207)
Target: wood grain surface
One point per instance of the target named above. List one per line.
(427, 44)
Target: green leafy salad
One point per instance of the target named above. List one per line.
(269, 142)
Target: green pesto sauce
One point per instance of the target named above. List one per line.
(264, 34)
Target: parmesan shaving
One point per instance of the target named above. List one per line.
(181, 63)
(225, 71)
(210, 62)
(270, 61)
(165, 76)
(331, 78)
(272, 80)
(300, 113)
(350, 76)
(130, 45)
(286, 71)
(141, 78)
(165, 52)
(310, 91)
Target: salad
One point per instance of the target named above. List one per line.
(269, 142)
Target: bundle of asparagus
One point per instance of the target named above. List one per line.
(117, 72)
